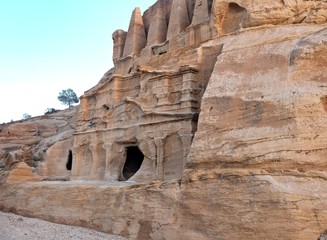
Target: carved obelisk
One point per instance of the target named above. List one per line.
(179, 19)
(136, 38)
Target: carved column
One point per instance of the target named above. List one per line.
(114, 161)
(77, 157)
(108, 161)
(162, 91)
(98, 164)
(186, 141)
(117, 88)
(93, 149)
(119, 38)
(159, 171)
(190, 91)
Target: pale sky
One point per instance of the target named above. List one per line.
(50, 45)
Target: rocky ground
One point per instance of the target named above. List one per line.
(15, 227)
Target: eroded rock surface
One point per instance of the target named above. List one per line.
(220, 128)
(15, 227)
(41, 143)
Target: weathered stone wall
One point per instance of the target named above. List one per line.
(264, 117)
(267, 107)
(252, 166)
(43, 143)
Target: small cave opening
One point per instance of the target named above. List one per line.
(134, 159)
(69, 161)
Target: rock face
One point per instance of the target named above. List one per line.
(264, 118)
(268, 106)
(22, 173)
(220, 127)
(37, 148)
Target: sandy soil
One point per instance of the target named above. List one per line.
(15, 227)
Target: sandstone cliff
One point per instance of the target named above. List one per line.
(37, 148)
(215, 113)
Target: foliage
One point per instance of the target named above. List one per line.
(68, 97)
(26, 116)
(50, 110)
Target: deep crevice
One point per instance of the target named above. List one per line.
(210, 2)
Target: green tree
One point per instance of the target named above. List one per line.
(68, 97)
(26, 116)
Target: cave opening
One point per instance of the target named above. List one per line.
(69, 161)
(134, 159)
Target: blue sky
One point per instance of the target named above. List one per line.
(50, 45)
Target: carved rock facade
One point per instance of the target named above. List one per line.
(154, 111)
(151, 98)
(216, 113)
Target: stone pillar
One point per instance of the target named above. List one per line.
(179, 19)
(94, 162)
(190, 93)
(77, 157)
(187, 141)
(86, 162)
(119, 38)
(98, 164)
(114, 161)
(152, 153)
(158, 26)
(136, 38)
(159, 171)
(108, 160)
(162, 92)
(83, 116)
(201, 11)
(117, 89)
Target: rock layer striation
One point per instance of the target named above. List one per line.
(211, 125)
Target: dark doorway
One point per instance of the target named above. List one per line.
(134, 159)
(69, 161)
